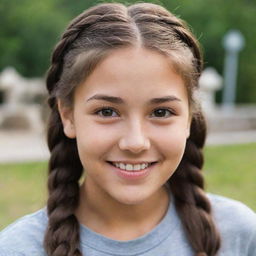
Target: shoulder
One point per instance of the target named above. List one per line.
(235, 221)
(231, 210)
(25, 235)
(10, 252)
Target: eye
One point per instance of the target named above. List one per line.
(163, 112)
(106, 112)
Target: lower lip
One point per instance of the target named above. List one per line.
(133, 174)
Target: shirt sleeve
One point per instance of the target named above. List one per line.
(236, 223)
(24, 237)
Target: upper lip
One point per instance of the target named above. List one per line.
(132, 162)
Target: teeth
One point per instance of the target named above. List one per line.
(136, 167)
(121, 166)
(130, 167)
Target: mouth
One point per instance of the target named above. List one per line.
(132, 172)
(139, 167)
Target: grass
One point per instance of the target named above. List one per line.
(23, 190)
(229, 171)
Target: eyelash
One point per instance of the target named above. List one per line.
(171, 112)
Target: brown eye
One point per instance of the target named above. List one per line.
(162, 112)
(106, 112)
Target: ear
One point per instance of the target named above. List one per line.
(66, 114)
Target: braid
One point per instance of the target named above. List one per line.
(65, 169)
(187, 186)
(159, 15)
(69, 36)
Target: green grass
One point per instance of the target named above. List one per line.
(23, 190)
(229, 171)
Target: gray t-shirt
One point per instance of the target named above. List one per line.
(236, 223)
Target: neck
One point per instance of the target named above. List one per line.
(120, 221)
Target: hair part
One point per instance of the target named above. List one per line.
(87, 41)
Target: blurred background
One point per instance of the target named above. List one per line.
(30, 29)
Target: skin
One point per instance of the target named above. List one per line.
(134, 131)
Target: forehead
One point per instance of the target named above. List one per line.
(136, 62)
(131, 70)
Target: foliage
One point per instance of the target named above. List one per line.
(30, 29)
(210, 20)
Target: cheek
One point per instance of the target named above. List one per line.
(172, 142)
(94, 141)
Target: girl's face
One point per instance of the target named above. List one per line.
(133, 109)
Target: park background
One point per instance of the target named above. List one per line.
(30, 29)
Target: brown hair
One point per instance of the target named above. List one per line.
(88, 40)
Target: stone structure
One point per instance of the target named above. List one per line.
(238, 118)
(21, 101)
(209, 82)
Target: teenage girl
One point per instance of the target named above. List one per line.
(126, 136)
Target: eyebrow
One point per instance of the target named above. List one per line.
(119, 100)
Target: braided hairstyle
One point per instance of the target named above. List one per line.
(88, 40)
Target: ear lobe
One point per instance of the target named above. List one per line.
(67, 119)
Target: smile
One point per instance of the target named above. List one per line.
(131, 167)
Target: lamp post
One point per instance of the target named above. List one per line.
(233, 42)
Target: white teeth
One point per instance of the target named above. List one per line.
(136, 167)
(121, 166)
(130, 167)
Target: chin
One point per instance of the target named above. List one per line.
(132, 197)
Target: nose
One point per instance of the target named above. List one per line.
(134, 139)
